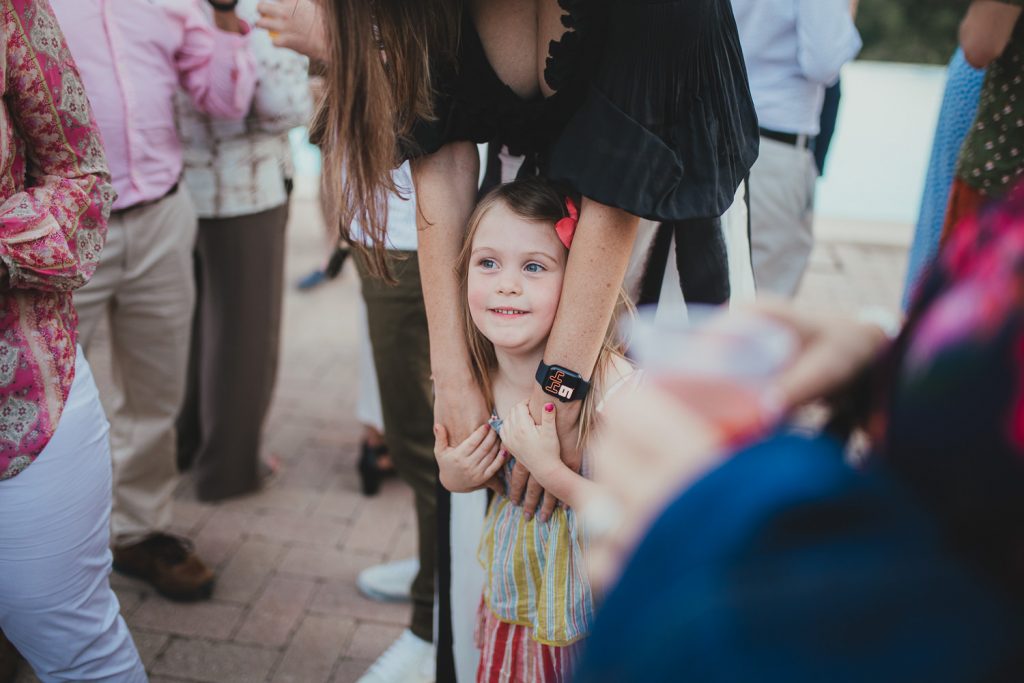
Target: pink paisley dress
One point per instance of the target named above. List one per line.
(55, 197)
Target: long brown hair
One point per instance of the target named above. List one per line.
(378, 84)
(533, 199)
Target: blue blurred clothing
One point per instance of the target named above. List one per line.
(959, 106)
(787, 565)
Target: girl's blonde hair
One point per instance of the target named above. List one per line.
(532, 199)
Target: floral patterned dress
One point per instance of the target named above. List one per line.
(56, 197)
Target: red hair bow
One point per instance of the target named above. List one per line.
(566, 227)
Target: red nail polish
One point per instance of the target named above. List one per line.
(548, 407)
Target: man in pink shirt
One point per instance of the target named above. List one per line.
(133, 56)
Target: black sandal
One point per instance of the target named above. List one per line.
(370, 471)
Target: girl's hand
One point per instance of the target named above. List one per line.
(470, 465)
(535, 446)
(525, 490)
(295, 24)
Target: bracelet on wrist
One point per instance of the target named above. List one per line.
(223, 5)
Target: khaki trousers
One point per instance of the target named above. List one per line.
(144, 283)
(782, 185)
(401, 353)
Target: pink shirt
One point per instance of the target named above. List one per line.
(133, 56)
(55, 195)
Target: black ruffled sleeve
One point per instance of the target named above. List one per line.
(665, 128)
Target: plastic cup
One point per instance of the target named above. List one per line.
(721, 364)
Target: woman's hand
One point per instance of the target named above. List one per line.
(295, 24)
(470, 465)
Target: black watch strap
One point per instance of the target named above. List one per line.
(224, 6)
(562, 383)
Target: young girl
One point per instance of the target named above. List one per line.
(537, 602)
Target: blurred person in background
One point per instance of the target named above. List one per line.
(992, 156)
(239, 174)
(134, 56)
(784, 561)
(56, 604)
(793, 51)
(956, 116)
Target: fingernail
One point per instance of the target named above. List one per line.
(528, 516)
(502, 453)
(548, 407)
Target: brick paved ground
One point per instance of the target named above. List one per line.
(286, 608)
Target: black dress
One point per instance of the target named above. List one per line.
(651, 114)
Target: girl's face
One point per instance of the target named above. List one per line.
(515, 276)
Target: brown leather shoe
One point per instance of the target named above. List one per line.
(169, 564)
(9, 658)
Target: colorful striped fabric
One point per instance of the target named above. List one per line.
(536, 576)
(509, 654)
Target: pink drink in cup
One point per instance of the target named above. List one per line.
(720, 364)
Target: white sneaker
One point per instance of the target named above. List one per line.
(408, 660)
(391, 582)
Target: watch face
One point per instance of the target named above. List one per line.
(556, 385)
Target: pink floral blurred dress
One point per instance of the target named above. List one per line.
(56, 195)
(56, 605)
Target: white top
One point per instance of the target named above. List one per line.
(236, 168)
(402, 235)
(793, 50)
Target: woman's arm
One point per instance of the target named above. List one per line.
(594, 274)
(446, 183)
(986, 30)
(52, 232)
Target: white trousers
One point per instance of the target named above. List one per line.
(782, 184)
(56, 604)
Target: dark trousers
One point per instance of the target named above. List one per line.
(239, 269)
(401, 354)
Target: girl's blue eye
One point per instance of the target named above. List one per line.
(488, 263)
(533, 268)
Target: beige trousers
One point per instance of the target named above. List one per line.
(144, 283)
(781, 216)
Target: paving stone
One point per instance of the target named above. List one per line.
(380, 519)
(129, 597)
(370, 640)
(339, 504)
(294, 527)
(202, 660)
(317, 646)
(350, 670)
(149, 645)
(277, 611)
(342, 597)
(206, 619)
(245, 574)
(326, 563)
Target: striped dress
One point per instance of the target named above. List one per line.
(537, 600)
